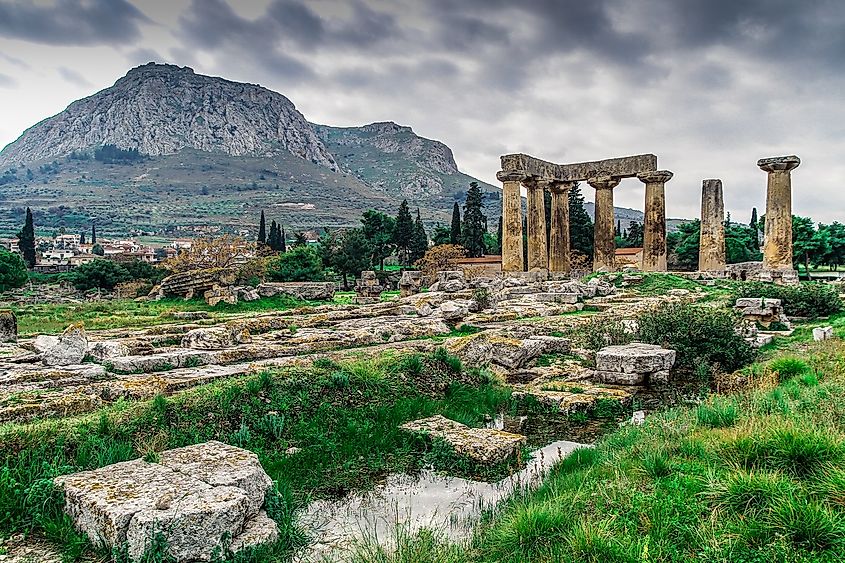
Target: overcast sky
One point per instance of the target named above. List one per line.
(709, 86)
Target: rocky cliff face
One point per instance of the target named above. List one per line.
(162, 109)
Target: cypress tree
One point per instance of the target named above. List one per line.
(420, 242)
(262, 229)
(93, 233)
(82, 238)
(26, 240)
(754, 231)
(283, 247)
(499, 236)
(456, 224)
(580, 225)
(472, 229)
(273, 238)
(403, 232)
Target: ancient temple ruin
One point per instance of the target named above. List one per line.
(552, 255)
(521, 170)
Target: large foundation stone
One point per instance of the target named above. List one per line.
(484, 445)
(634, 364)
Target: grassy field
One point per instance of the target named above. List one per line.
(757, 476)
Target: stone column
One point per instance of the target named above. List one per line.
(654, 225)
(711, 253)
(538, 253)
(512, 258)
(559, 236)
(604, 244)
(777, 253)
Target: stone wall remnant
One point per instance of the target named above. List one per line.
(410, 283)
(368, 289)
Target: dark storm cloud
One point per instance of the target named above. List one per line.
(71, 22)
(73, 77)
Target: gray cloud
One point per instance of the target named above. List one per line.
(71, 22)
(7, 81)
(74, 77)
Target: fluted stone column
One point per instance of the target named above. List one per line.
(604, 244)
(654, 225)
(711, 253)
(512, 258)
(777, 253)
(559, 243)
(538, 253)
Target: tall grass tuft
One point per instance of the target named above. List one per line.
(717, 413)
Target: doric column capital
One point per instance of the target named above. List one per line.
(604, 182)
(655, 176)
(561, 186)
(511, 176)
(779, 163)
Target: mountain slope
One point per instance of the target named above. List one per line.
(162, 109)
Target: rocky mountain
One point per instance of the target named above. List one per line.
(162, 109)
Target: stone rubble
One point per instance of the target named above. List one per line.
(368, 289)
(70, 349)
(822, 333)
(762, 311)
(483, 445)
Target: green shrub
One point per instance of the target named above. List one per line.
(699, 334)
(103, 274)
(788, 368)
(301, 263)
(12, 271)
(601, 331)
(809, 299)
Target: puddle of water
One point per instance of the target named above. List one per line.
(450, 505)
(542, 429)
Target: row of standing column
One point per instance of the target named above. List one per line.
(556, 256)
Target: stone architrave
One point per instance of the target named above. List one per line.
(711, 253)
(654, 225)
(777, 254)
(625, 167)
(512, 257)
(604, 254)
(538, 253)
(559, 255)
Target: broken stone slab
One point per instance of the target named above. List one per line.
(215, 338)
(474, 351)
(44, 342)
(108, 349)
(484, 445)
(514, 353)
(215, 295)
(71, 348)
(822, 333)
(218, 464)
(190, 498)
(571, 298)
(190, 315)
(247, 294)
(8, 326)
(194, 282)
(635, 358)
(452, 311)
(621, 378)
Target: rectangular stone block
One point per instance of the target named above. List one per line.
(571, 298)
(484, 445)
(822, 333)
(620, 378)
(624, 167)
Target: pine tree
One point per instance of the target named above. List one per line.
(403, 232)
(499, 236)
(472, 228)
(262, 229)
(26, 240)
(580, 225)
(456, 224)
(93, 233)
(378, 228)
(419, 245)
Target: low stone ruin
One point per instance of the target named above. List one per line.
(201, 500)
(8, 326)
(762, 311)
(634, 364)
(368, 289)
(483, 445)
(306, 291)
(410, 283)
(193, 283)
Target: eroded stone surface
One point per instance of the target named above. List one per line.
(70, 349)
(8, 326)
(483, 445)
(634, 364)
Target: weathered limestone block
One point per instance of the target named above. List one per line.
(199, 498)
(624, 167)
(634, 364)
(44, 342)
(306, 291)
(107, 349)
(215, 338)
(219, 294)
(474, 351)
(571, 298)
(8, 326)
(410, 283)
(483, 445)
(514, 353)
(453, 311)
(194, 282)
(219, 464)
(711, 254)
(451, 281)
(190, 315)
(368, 289)
(247, 294)
(822, 333)
(70, 348)
(763, 311)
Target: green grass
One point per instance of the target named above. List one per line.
(731, 480)
(127, 313)
(344, 418)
